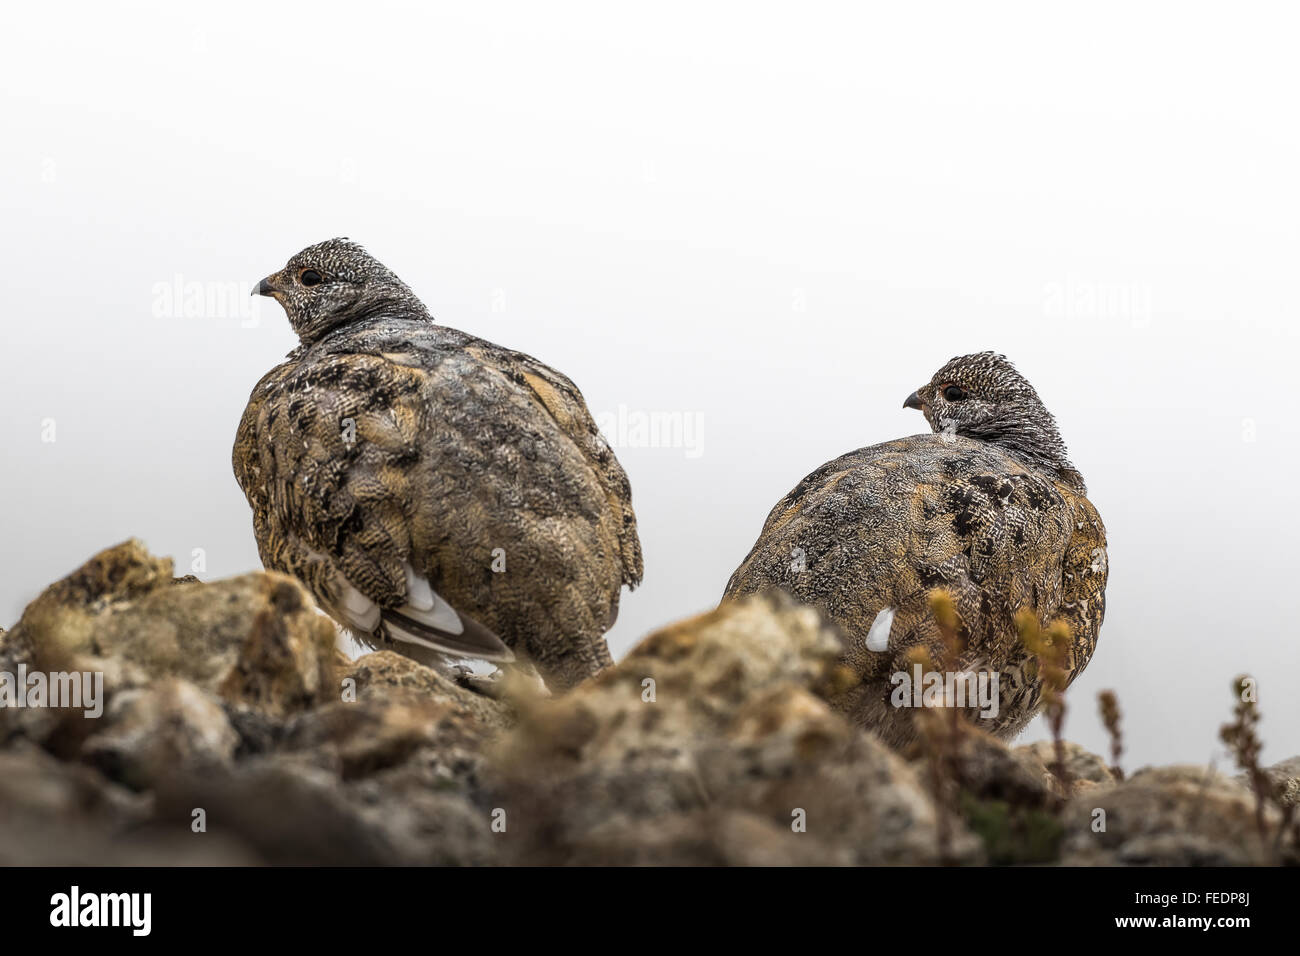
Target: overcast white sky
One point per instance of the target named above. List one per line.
(774, 221)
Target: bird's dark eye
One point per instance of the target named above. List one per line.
(954, 393)
(310, 277)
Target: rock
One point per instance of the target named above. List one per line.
(255, 640)
(34, 787)
(702, 838)
(1081, 765)
(990, 770)
(286, 661)
(716, 660)
(434, 810)
(233, 732)
(1168, 816)
(283, 811)
(1009, 805)
(382, 672)
(152, 732)
(365, 737)
(1285, 777)
(288, 809)
(66, 814)
(710, 720)
(229, 697)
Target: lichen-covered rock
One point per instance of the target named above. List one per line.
(1009, 804)
(232, 732)
(284, 811)
(1285, 777)
(709, 741)
(1081, 764)
(256, 640)
(432, 805)
(151, 732)
(722, 837)
(1169, 816)
(361, 738)
(57, 813)
(230, 698)
(385, 674)
(990, 770)
(34, 787)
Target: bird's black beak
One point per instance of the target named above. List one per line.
(914, 401)
(263, 288)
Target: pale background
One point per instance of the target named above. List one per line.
(775, 220)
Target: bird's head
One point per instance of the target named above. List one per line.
(982, 396)
(335, 283)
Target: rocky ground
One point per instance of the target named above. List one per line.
(234, 733)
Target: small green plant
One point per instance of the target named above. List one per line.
(1014, 835)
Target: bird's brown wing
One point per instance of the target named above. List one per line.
(562, 400)
(1083, 596)
(320, 453)
(884, 526)
(456, 467)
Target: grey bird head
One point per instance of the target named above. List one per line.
(982, 396)
(335, 283)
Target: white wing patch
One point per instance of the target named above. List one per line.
(425, 606)
(418, 593)
(422, 605)
(425, 620)
(361, 612)
(878, 636)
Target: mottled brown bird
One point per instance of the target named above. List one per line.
(988, 509)
(438, 494)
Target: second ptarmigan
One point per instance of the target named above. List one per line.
(438, 494)
(988, 509)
